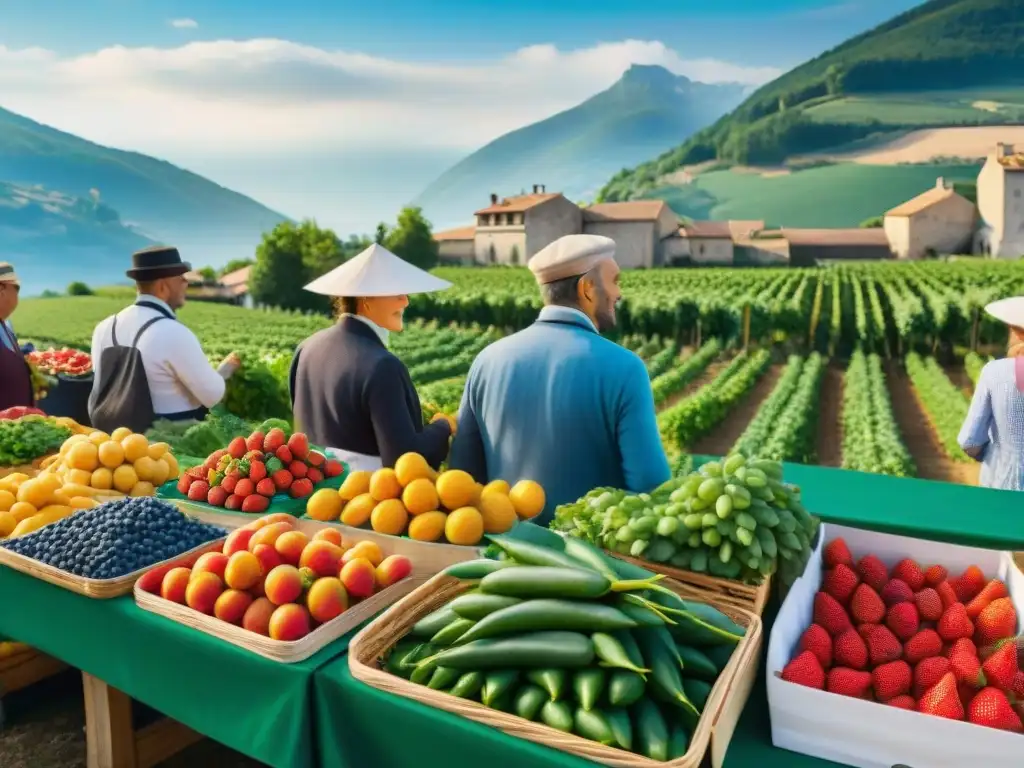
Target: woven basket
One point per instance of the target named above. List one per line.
(726, 701)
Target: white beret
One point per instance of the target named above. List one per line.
(7, 274)
(570, 256)
(1010, 311)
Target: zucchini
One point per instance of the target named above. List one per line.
(528, 553)
(697, 691)
(618, 720)
(532, 650)
(545, 581)
(443, 677)
(434, 622)
(469, 685)
(592, 725)
(651, 730)
(497, 683)
(678, 742)
(625, 688)
(556, 714)
(548, 614)
(528, 702)
(588, 684)
(452, 632)
(612, 654)
(474, 570)
(477, 605)
(550, 680)
(696, 663)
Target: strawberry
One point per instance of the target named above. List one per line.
(966, 693)
(229, 482)
(903, 620)
(184, 483)
(816, 640)
(255, 441)
(850, 650)
(955, 623)
(969, 584)
(301, 488)
(298, 444)
(994, 590)
(941, 700)
(333, 468)
(315, 475)
(1001, 667)
(199, 490)
(245, 488)
(946, 594)
(316, 459)
(908, 571)
(275, 439)
(282, 479)
(298, 469)
(840, 582)
(963, 645)
(233, 502)
(284, 455)
(896, 591)
(891, 680)
(967, 669)
(866, 606)
(929, 604)
(255, 503)
(923, 645)
(848, 682)
(217, 496)
(1017, 688)
(837, 553)
(903, 702)
(935, 575)
(991, 708)
(257, 470)
(882, 645)
(928, 672)
(805, 669)
(237, 448)
(873, 572)
(266, 487)
(830, 614)
(996, 621)
(252, 456)
(865, 630)
(987, 650)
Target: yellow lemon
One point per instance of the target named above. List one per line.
(145, 468)
(498, 513)
(420, 496)
(120, 434)
(325, 505)
(102, 479)
(125, 478)
(456, 488)
(528, 499)
(82, 456)
(428, 526)
(412, 466)
(384, 485)
(464, 526)
(7, 500)
(111, 454)
(501, 486)
(358, 511)
(142, 488)
(390, 517)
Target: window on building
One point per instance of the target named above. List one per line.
(700, 250)
(492, 254)
(514, 255)
(519, 218)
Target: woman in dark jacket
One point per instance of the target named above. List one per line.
(348, 391)
(15, 375)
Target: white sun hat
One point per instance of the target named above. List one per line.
(1009, 311)
(376, 272)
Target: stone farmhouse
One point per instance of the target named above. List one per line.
(232, 288)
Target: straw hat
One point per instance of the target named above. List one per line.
(569, 256)
(376, 272)
(1009, 311)
(8, 275)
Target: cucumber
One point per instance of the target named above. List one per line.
(545, 614)
(544, 581)
(556, 714)
(678, 742)
(552, 681)
(718, 654)
(528, 553)
(443, 677)
(528, 702)
(625, 688)
(397, 655)
(665, 677)
(476, 605)
(590, 556)
(497, 683)
(629, 645)
(532, 650)
(612, 654)
(639, 613)
(651, 730)
(469, 685)
(424, 671)
(588, 684)
(697, 691)
(452, 632)
(696, 663)
(618, 720)
(434, 622)
(592, 725)
(474, 570)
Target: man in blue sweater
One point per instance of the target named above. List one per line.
(557, 403)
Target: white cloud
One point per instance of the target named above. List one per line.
(244, 97)
(184, 23)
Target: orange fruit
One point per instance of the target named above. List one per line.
(498, 513)
(412, 466)
(358, 511)
(428, 526)
(456, 488)
(325, 505)
(420, 496)
(464, 526)
(389, 516)
(528, 499)
(384, 485)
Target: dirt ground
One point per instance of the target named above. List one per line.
(724, 436)
(830, 418)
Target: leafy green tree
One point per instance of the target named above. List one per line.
(79, 289)
(209, 274)
(381, 234)
(874, 222)
(234, 265)
(288, 258)
(412, 239)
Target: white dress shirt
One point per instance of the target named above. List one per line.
(180, 377)
(382, 333)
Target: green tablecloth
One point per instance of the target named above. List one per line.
(259, 707)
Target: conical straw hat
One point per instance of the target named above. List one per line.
(1010, 311)
(376, 272)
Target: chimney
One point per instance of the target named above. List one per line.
(494, 199)
(535, 189)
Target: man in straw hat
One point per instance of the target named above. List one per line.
(146, 364)
(556, 402)
(15, 376)
(993, 432)
(348, 391)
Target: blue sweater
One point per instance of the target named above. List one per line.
(559, 404)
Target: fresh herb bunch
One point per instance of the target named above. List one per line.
(254, 393)
(26, 439)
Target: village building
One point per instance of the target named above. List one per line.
(1001, 204)
(641, 230)
(232, 288)
(937, 221)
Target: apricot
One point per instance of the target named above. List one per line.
(202, 592)
(289, 622)
(238, 541)
(211, 562)
(332, 535)
(243, 571)
(174, 584)
(326, 599)
(290, 545)
(392, 570)
(268, 557)
(257, 616)
(280, 517)
(283, 584)
(367, 549)
(358, 577)
(322, 557)
(269, 534)
(232, 606)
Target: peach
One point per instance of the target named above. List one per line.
(283, 584)
(290, 545)
(322, 556)
(280, 517)
(358, 577)
(326, 599)
(255, 525)
(174, 585)
(257, 616)
(211, 562)
(269, 534)
(237, 541)
(289, 622)
(366, 549)
(268, 557)
(332, 535)
(392, 570)
(202, 592)
(244, 570)
(232, 606)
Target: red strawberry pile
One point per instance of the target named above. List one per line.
(70, 362)
(251, 471)
(915, 639)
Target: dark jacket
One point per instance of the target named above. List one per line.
(349, 392)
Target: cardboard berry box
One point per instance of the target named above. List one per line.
(869, 734)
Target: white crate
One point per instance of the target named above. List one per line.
(868, 734)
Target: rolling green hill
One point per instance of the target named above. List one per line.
(944, 63)
(648, 110)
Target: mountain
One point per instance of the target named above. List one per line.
(648, 110)
(945, 63)
(158, 200)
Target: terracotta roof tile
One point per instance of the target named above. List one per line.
(855, 236)
(518, 203)
(633, 210)
(238, 277)
(922, 202)
(707, 229)
(459, 233)
(1014, 162)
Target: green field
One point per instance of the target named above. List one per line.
(836, 195)
(941, 108)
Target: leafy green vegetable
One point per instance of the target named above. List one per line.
(26, 439)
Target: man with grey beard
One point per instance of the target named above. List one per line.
(557, 403)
